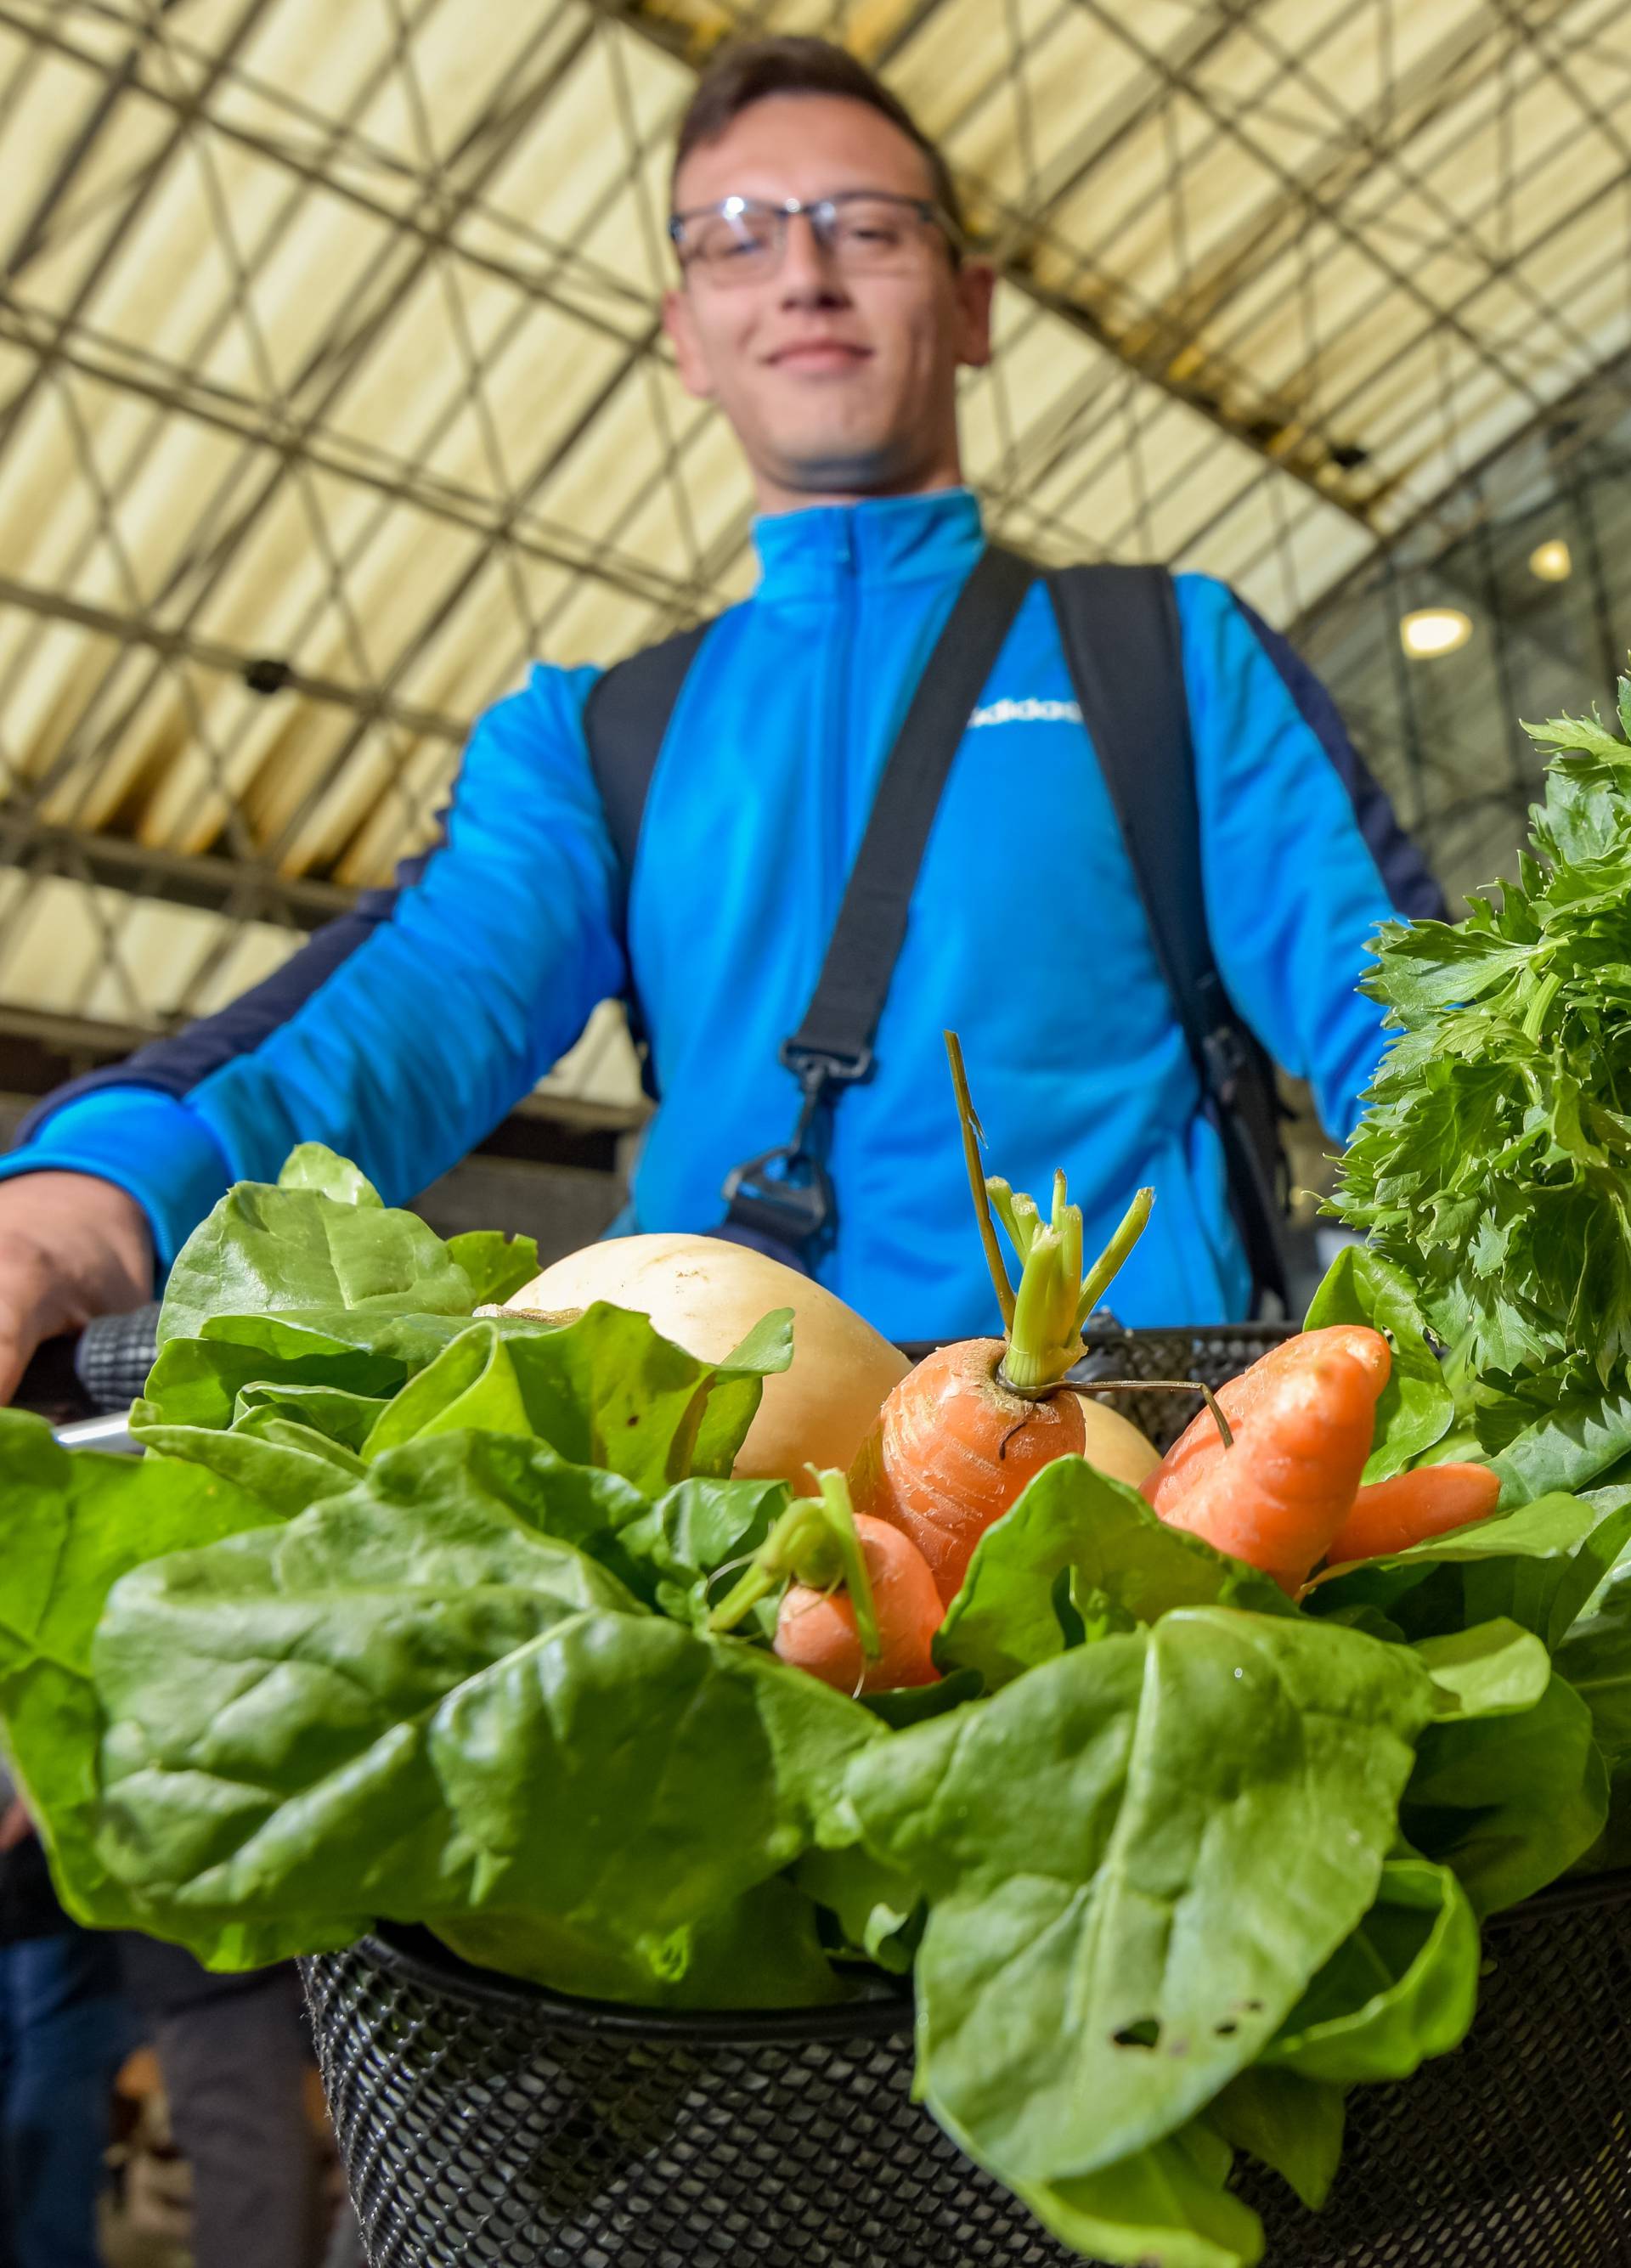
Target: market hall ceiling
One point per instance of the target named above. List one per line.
(332, 388)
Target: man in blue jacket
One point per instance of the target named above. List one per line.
(825, 306)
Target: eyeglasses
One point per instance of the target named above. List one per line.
(866, 232)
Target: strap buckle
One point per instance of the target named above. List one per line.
(817, 1069)
(793, 1205)
(1224, 1054)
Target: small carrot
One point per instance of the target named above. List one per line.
(861, 1610)
(960, 1436)
(1301, 1421)
(1392, 1516)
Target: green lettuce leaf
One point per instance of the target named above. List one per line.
(1078, 1541)
(1493, 1670)
(1106, 1947)
(1416, 1406)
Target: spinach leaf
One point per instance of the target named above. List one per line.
(692, 1531)
(1401, 1988)
(497, 1265)
(1493, 1670)
(417, 1706)
(1537, 1565)
(1416, 1405)
(603, 1389)
(1073, 1520)
(282, 1250)
(74, 1524)
(284, 1465)
(1509, 1802)
(1576, 1443)
(1105, 1947)
(1166, 2207)
(1290, 2124)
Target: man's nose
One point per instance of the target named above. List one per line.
(808, 273)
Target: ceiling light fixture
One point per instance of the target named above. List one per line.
(1432, 631)
(1551, 561)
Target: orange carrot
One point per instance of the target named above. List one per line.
(815, 1630)
(953, 1448)
(1301, 1421)
(1392, 1516)
(860, 1608)
(959, 1436)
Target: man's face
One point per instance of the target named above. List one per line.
(837, 384)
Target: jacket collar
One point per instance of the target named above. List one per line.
(812, 554)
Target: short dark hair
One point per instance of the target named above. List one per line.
(746, 71)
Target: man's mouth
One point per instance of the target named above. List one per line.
(819, 354)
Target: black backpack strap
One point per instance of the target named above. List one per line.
(627, 713)
(783, 1200)
(1120, 632)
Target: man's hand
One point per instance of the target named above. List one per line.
(71, 1246)
(15, 1826)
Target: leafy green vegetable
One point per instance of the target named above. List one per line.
(298, 1246)
(1576, 1443)
(1416, 1406)
(1493, 1670)
(498, 1266)
(74, 1525)
(1509, 1802)
(1537, 1566)
(1292, 2124)
(1493, 1164)
(428, 1710)
(1165, 2206)
(1073, 1520)
(1091, 1841)
(1401, 1988)
(284, 1465)
(604, 1389)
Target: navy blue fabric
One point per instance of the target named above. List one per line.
(1414, 892)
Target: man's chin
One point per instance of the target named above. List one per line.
(849, 469)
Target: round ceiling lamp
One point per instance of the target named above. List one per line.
(1431, 631)
(1550, 561)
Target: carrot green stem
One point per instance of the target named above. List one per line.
(1108, 1265)
(814, 1542)
(1043, 1320)
(973, 1135)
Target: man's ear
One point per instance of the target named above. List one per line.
(680, 325)
(974, 283)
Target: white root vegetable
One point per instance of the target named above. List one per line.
(706, 1295)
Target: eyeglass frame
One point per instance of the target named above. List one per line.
(928, 209)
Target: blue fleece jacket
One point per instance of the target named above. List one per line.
(404, 1033)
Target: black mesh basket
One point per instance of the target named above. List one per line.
(485, 2123)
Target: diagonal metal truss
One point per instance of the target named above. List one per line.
(1277, 272)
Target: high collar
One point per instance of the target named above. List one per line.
(811, 554)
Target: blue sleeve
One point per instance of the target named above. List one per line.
(1301, 854)
(401, 1034)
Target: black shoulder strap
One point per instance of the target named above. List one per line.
(624, 720)
(842, 1015)
(783, 1201)
(1119, 629)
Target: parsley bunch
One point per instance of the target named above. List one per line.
(1494, 1160)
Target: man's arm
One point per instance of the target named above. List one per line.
(1301, 855)
(399, 1036)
